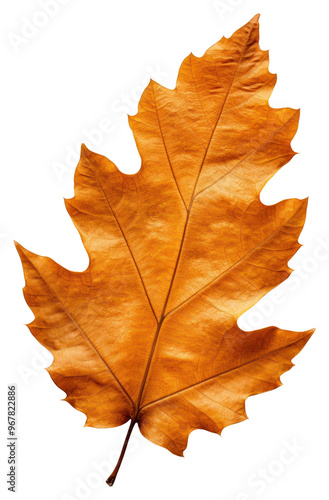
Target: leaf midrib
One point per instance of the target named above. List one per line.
(137, 407)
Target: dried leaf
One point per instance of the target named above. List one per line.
(178, 251)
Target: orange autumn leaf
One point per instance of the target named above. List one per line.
(178, 251)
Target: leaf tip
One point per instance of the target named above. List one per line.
(309, 333)
(86, 424)
(250, 29)
(20, 249)
(254, 23)
(255, 19)
(304, 203)
(85, 152)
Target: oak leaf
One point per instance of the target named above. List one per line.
(178, 251)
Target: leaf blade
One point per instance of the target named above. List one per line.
(177, 253)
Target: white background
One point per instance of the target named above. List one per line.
(61, 84)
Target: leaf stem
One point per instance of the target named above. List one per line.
(110, 480)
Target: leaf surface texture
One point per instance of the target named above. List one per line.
(178, 251)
